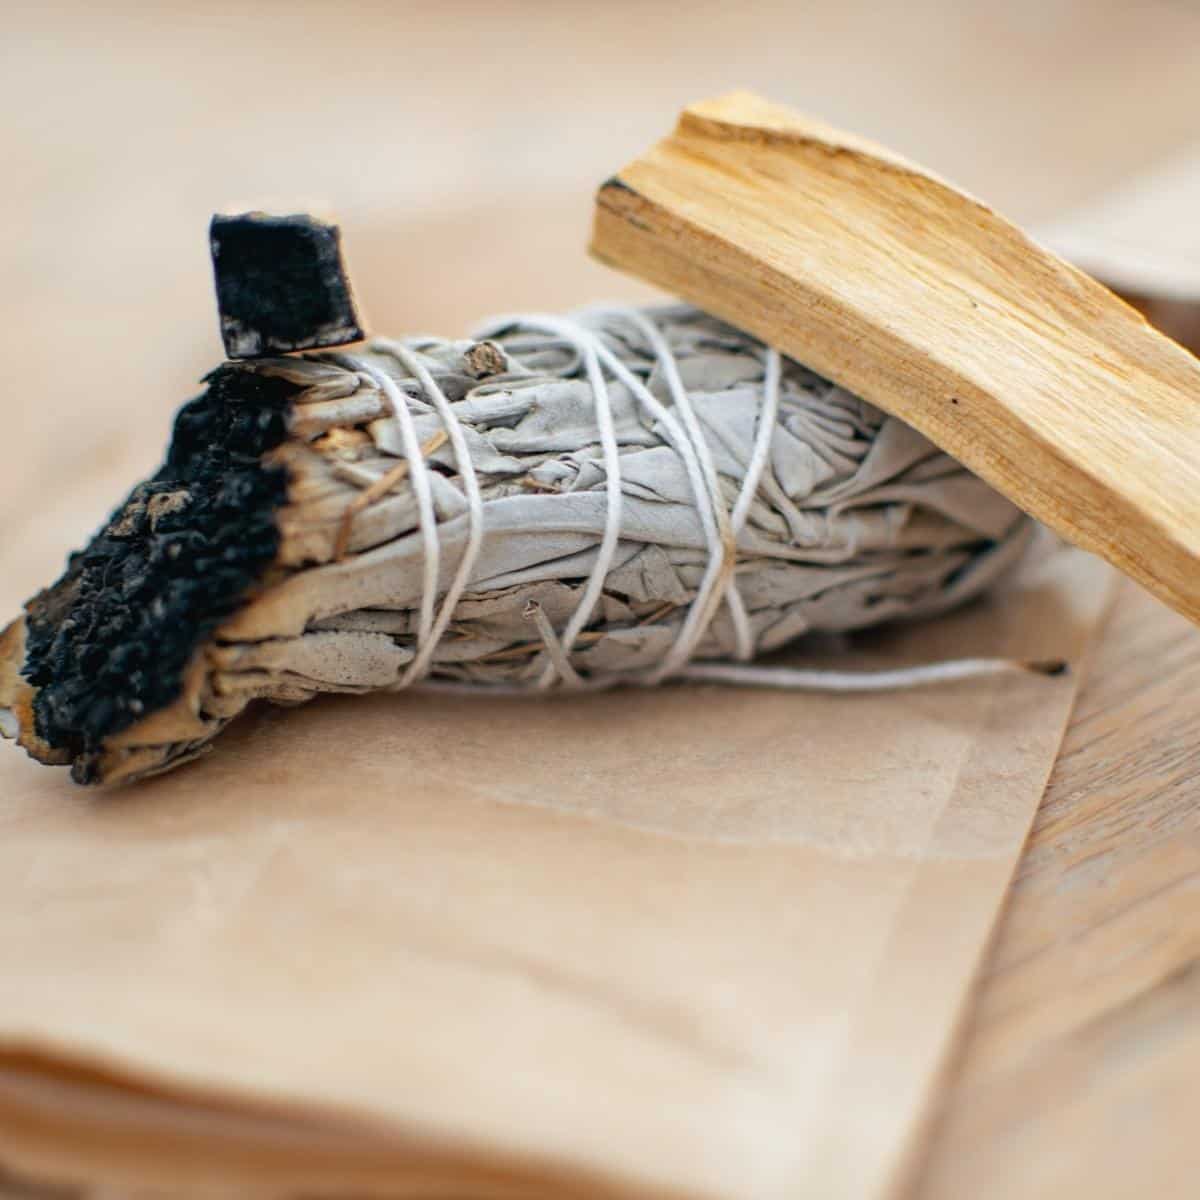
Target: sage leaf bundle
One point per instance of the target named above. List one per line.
(615, 498)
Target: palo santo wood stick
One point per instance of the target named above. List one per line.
(888, 280)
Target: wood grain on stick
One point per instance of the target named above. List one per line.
(918, 297)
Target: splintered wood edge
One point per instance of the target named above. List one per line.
(914, 295)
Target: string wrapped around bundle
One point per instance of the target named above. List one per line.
(620, 497)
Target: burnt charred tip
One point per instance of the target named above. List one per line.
(111, 641)
(281, 285)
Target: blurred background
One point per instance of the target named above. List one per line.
(459, 145)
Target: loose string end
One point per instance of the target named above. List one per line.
(800, 679)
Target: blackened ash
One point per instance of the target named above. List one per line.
(109, 643)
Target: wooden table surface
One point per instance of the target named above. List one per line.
(460, 144)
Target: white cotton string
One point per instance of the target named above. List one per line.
(722, 548)
(426, 518)
(720, 528)
(801, 680)
(586, 345)
(537, 614)
(427, 644)
(707, 504)
(768, 414)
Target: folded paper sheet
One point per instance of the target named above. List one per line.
(686, 941)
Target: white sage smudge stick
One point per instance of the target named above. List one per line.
(620, 497)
